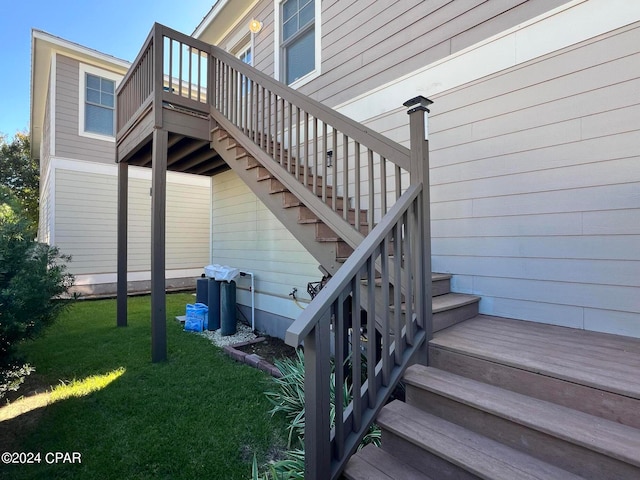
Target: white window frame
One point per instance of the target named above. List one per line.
(277, 54)
(82, 100)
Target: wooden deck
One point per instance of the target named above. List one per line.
(552, 363)
(507, 399)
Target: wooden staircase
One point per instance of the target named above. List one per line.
(507, 399)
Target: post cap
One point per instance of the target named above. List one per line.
(418, 103)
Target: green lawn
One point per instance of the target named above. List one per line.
(198, 415)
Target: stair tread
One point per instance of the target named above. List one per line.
(453, 300)
(602, 361)
(373, 463)
(477, 454)
(598, 434)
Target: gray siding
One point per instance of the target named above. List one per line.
(368, 43)
(45, 213)
(69, 144)
(535, 174)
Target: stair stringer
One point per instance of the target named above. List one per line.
(323, 252)
(330, 218)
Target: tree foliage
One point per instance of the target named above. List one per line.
(20, 173)
(33, 278)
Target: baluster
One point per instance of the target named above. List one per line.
(340, 344)
(298, 144)
(290, 135)
(282, 131)
(356, 360)
(371, 190)
(383, 184)
(334, 168)
(270, 138)
(199, 75)
(190, 68)
(306, 151)
(180, 69)
(398, 182)
(345, 176)
(324, 162)
(397, 292)
(408, 265)
(371, 329)
(356, 190)
(386, 342)
(315, 156)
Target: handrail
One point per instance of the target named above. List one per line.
(338, 308)
(357, 172)
(171, 68)
(393, 151)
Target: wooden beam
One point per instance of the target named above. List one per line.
(185, 150)
(210, 165)
(145, 160)
(196, 160)
(123, 200)
(158, 261)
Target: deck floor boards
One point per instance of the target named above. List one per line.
(595, 359)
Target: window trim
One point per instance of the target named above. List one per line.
(82, 100)
(278, 49)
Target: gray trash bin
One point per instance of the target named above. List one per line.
(228, 308)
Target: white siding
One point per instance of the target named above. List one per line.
(86, 219)
(246, 235)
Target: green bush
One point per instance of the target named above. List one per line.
(288, 399)
(33, 278)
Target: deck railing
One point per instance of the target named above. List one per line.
(325, 151)
(172, 69)
(388, 276)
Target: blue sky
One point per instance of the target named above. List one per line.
(117, 27)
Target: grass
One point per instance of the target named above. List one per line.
(197, 415)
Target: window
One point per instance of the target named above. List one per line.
(100, 105)
(246, 56)
(97, 112)
(299, 39)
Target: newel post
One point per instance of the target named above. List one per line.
(419, 145)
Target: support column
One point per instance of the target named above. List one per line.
(123, 214)
(419, 145)
(158, 210)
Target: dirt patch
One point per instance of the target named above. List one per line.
(270, 349)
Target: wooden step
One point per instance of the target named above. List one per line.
(305, 215)
(373, 463)
(447, 451)
(588, 446)
(592, 372)
(449, 309)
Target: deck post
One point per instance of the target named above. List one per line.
(316, 392)
(419, 145)
(158, 210)
(123, 200)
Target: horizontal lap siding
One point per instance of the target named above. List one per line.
(69, 143)
(535, 179)
(86, 219)
(246, 235)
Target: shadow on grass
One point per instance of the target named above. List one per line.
(193, 416)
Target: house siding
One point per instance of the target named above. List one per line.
(246, 235)
(535, 173)
(367, 43)
(86, 220)
(45, 212)
(69, 144)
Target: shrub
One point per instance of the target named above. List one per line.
(288, 398)
(33, 278)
